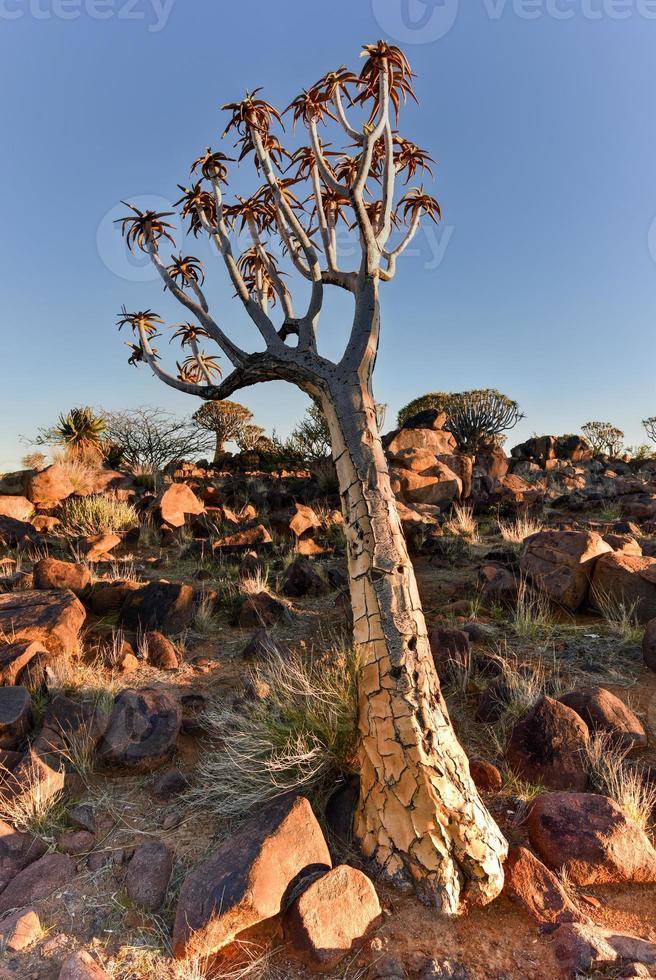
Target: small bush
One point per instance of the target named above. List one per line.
(300, 737)
(98, 514)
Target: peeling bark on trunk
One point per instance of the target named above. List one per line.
(420, 817)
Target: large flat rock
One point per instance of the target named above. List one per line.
(249, 877)
(53, 618)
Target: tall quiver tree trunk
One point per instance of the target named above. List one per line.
(219, 451)
(420, 816)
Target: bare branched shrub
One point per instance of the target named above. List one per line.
(300, 737)
(151, 438)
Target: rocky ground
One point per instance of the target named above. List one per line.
(538, 578)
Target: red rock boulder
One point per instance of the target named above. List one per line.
(602, 711)
(626, 579)
(332, 914)
(547, 746)
(248, 878)
(590, 838)
(561, 563)
(529, 884)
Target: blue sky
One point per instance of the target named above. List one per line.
(541, 281)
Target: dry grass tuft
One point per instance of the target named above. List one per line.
(81, 470)
(515, 532)
(204, 620)
(620, 617)
(532, 616)
(610, 775)
(300, 736)
(462, 522)
(37, 808)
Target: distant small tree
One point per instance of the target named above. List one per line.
(250, 437)
(79, 432)
(604, 437)
(643, 451)
(650, 427)
(433, 399)
(151, 438)
(34, 461)
(476, 418)
(226, 419)
(310, 438)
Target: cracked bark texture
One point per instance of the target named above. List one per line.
(420, 817)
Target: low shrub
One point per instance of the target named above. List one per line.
(98, 513)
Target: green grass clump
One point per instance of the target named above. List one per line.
(97, 514)
(299, 737)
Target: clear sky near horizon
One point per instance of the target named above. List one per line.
(541, 281)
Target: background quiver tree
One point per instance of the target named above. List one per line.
(604, 437)
(650, 427)
(250, 437)
(419, 816)
(477, 419)
(226, 419)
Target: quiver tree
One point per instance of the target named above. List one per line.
(226, 419)
(477, 419)
(419, 816)
(650, 427)
(604, 437)
(250, 437)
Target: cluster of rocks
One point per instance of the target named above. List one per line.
(578, 480)
(574, 568)
(429, 474)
